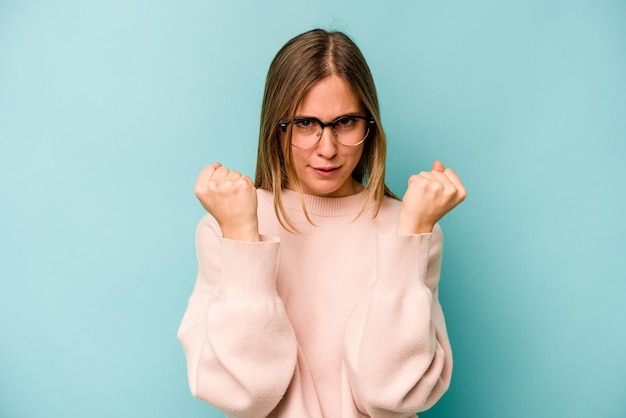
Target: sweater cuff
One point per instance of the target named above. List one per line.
(402, 261)
(249, 268)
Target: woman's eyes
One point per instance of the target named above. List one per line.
(305, 123)
(344, 122)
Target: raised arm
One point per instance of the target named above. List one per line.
(239, 344)
(397, 352)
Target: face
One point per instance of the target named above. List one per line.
(326, 168)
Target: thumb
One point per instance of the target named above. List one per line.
(438, 166)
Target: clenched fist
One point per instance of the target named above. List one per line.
(231, 199)
(429, 196)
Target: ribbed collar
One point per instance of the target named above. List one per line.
(324, 206)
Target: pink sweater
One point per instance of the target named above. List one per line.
(340, 320)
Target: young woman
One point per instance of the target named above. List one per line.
(316, 293)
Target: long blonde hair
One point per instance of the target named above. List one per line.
(300, 63)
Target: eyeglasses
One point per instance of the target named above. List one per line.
(348, 130)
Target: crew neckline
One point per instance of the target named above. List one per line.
(322, 205)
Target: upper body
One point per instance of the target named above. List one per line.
(339, 320)
(316, 294)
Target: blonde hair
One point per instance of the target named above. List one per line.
(300, 63)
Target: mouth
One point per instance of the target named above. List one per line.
(325, 171)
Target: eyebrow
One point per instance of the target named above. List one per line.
(334, 119)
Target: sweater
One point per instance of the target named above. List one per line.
(341, 319)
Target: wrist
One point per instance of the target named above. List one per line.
(413, 226)
(241, 232)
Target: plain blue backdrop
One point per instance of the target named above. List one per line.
(108, 110)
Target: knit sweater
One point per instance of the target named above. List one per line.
(341, 319)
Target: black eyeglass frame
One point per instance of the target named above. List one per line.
(282, 124)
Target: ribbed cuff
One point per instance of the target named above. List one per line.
(402, 261)
(249, 268)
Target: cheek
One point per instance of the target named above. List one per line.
(299, 161)
(356, 156)
(300, 157)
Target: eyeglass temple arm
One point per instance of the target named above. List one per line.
(283, 125)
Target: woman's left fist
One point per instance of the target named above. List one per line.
(428, 198)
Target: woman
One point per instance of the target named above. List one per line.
(316, 293)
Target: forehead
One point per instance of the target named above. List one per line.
(328, 98)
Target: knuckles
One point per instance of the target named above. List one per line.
(226, 195)
(220, 182)
(435, 189)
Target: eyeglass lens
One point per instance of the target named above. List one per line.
(348, 130)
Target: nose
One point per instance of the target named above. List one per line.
(327, 145)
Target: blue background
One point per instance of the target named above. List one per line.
(108, 109)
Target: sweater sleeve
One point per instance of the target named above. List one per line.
(238, 342)
(396, 349)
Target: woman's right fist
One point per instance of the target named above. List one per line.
(231, 199)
